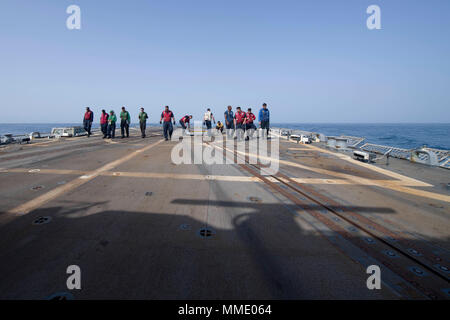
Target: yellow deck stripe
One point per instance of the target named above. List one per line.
(39, 201)
(392, 185)
(410, 181)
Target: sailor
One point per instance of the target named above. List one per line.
(207, 118)
(112, 119)
(104, 123)
(229, 121)
(264, 119)
(219, 126)
(125, 122)
(239, 118)
(167, 116)
(143, 121)
(87, 120)
(249, 125)
(186, 120)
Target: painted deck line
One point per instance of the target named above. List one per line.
(39, 201)
(177, 176)
(358, 180)
(411, 181)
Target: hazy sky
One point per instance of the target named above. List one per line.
(311, 61)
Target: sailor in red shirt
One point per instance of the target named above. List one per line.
(104, 123)
(87, 120)
(249, 125)
(239, 123)
(167, 115)
(185, 120)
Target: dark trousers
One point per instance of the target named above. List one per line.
(265, 126)
(240, 128)
(208, 124)
(143, 125)
(250, 128)
(124, 127)
(183, 125)
(104, 127)
(230, 125)
(87, 124)
(112, 130)
(168, 129)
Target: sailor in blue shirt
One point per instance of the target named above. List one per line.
(229, 121)
(264, 119)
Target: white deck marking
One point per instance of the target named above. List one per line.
(39, 201)
(177, 176)
(398, 185)
(410, 181)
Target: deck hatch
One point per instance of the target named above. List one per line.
(206, 232)
(42, 220)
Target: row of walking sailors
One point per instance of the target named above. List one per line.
(108, 122)
(236, 123)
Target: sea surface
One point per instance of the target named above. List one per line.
(408, 136)
(401, 135)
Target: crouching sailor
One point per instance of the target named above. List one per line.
(186, 120)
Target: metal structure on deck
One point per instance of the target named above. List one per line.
(423, 155)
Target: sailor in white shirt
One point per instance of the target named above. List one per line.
(208, 117)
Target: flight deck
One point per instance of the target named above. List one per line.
(141, 227)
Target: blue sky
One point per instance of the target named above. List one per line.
(311, 61)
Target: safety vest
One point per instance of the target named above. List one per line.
(239, 116)
(104, 118)
(112, 119)
(208, 115)
(185, 119)
(87, 115)
(167, 115)
(143, 116)
(250, 117)
(124, 115)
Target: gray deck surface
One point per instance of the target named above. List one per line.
(135, 233)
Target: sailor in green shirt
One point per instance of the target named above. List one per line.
(143, 121)
(125, 120)
(112, 119)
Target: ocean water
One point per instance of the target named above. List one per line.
(408, 136)
(404, 135)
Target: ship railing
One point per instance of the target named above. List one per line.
(440, 157)
(16, 138)
(441, 154)
(392, 151)
(425, 155)
(353, 142)
(446, 163)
